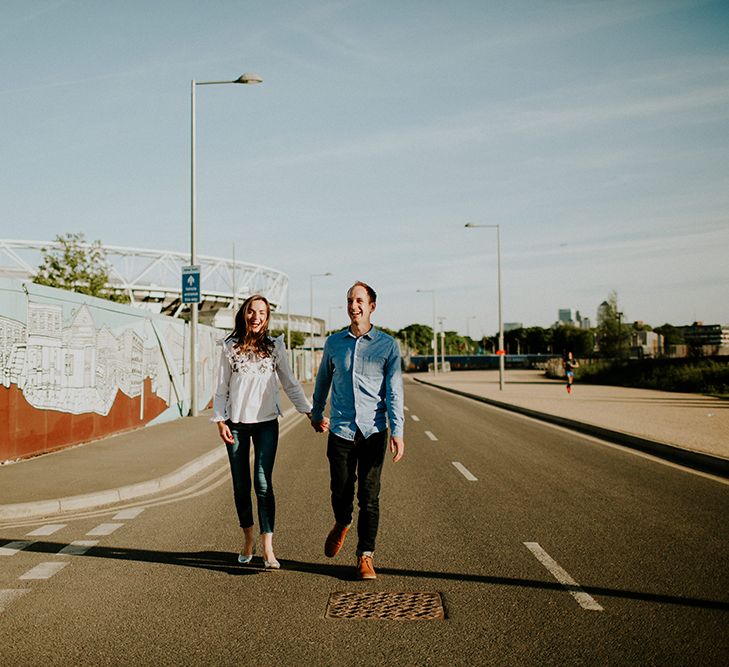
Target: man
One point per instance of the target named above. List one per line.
(361, 365)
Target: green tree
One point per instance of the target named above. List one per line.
(418, 337)
(612, 335)
(572, 339)
(77, 266)
(538, 340)
(671, 335)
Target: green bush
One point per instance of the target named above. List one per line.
(709, 376)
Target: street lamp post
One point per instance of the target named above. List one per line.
(311, 315)
(500, 351)
(435, 339)
(243, 78)
(442, 344)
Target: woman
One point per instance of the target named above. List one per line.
(246, 407)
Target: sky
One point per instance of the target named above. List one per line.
(595, 134)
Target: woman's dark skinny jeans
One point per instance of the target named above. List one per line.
(351, 459)
(265, 442)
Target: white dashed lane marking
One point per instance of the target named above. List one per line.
(11, 548)
(128, 514)
(47, 530)
(105, 529)
(43, 571)
(464, 471)
(77, 548)
(430, 435)
(406, 408)
(9, 595)
(585, 600)
(415, 418)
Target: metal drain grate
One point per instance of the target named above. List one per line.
(390, 606)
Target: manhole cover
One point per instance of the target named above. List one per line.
(394, 606)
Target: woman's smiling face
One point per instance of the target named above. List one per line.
(256, 316)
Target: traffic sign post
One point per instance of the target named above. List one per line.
(191, 284)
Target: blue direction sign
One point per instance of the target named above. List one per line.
(190, 284)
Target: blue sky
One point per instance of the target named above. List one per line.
(595, 133)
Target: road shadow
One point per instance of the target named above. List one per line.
(227, 562)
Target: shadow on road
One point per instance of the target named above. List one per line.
(224, 561)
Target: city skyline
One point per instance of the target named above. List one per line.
(596, 135)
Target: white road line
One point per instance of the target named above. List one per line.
(415, 418)
(406, 408)
(9, 595)
(105, 529)
(43, 571)
(47, 530)
(585, 600)
(464, 471)
(430, 435)
(77, 548)
(128, 514)
(11, 548)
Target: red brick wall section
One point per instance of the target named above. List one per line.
(26, 431)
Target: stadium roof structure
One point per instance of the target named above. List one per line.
(153, 278)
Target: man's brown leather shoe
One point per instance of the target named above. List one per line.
(335, 540)
(365, 570)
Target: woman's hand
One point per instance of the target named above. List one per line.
(225, 434)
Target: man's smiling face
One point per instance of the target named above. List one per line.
(359, 307)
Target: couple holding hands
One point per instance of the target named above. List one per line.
(361, 367)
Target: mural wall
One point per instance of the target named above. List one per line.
(75, 368)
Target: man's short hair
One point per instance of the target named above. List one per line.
(370, 292)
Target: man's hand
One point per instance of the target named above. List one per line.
(322, 426)
(397, 447)
(225, 433)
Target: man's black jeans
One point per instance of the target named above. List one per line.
(350, 460)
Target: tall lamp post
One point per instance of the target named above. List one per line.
(441, 319)
(243, 78)
(435, 339)
(311, 315)
(500, 351)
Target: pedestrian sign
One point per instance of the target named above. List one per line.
(190, 284)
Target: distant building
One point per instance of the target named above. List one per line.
(567, 317)
(646, 344)
(511, 326)
(564, 316)
(709, 338)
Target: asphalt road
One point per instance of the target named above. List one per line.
(641, 548)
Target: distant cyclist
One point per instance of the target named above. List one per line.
(570, 363)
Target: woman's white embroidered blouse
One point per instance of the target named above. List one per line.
(247, 389)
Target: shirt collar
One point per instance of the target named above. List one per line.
(370, 335)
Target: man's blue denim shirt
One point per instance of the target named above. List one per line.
(366, 381)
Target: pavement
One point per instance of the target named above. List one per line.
(690, 429)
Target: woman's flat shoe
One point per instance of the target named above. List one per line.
(271, 564)
(243, 559)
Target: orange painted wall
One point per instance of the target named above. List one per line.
(27, 431)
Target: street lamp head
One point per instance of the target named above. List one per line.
(470, 225)
(248, 77)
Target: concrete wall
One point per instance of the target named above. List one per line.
(75, 368)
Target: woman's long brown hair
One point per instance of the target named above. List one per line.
(248, 341)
